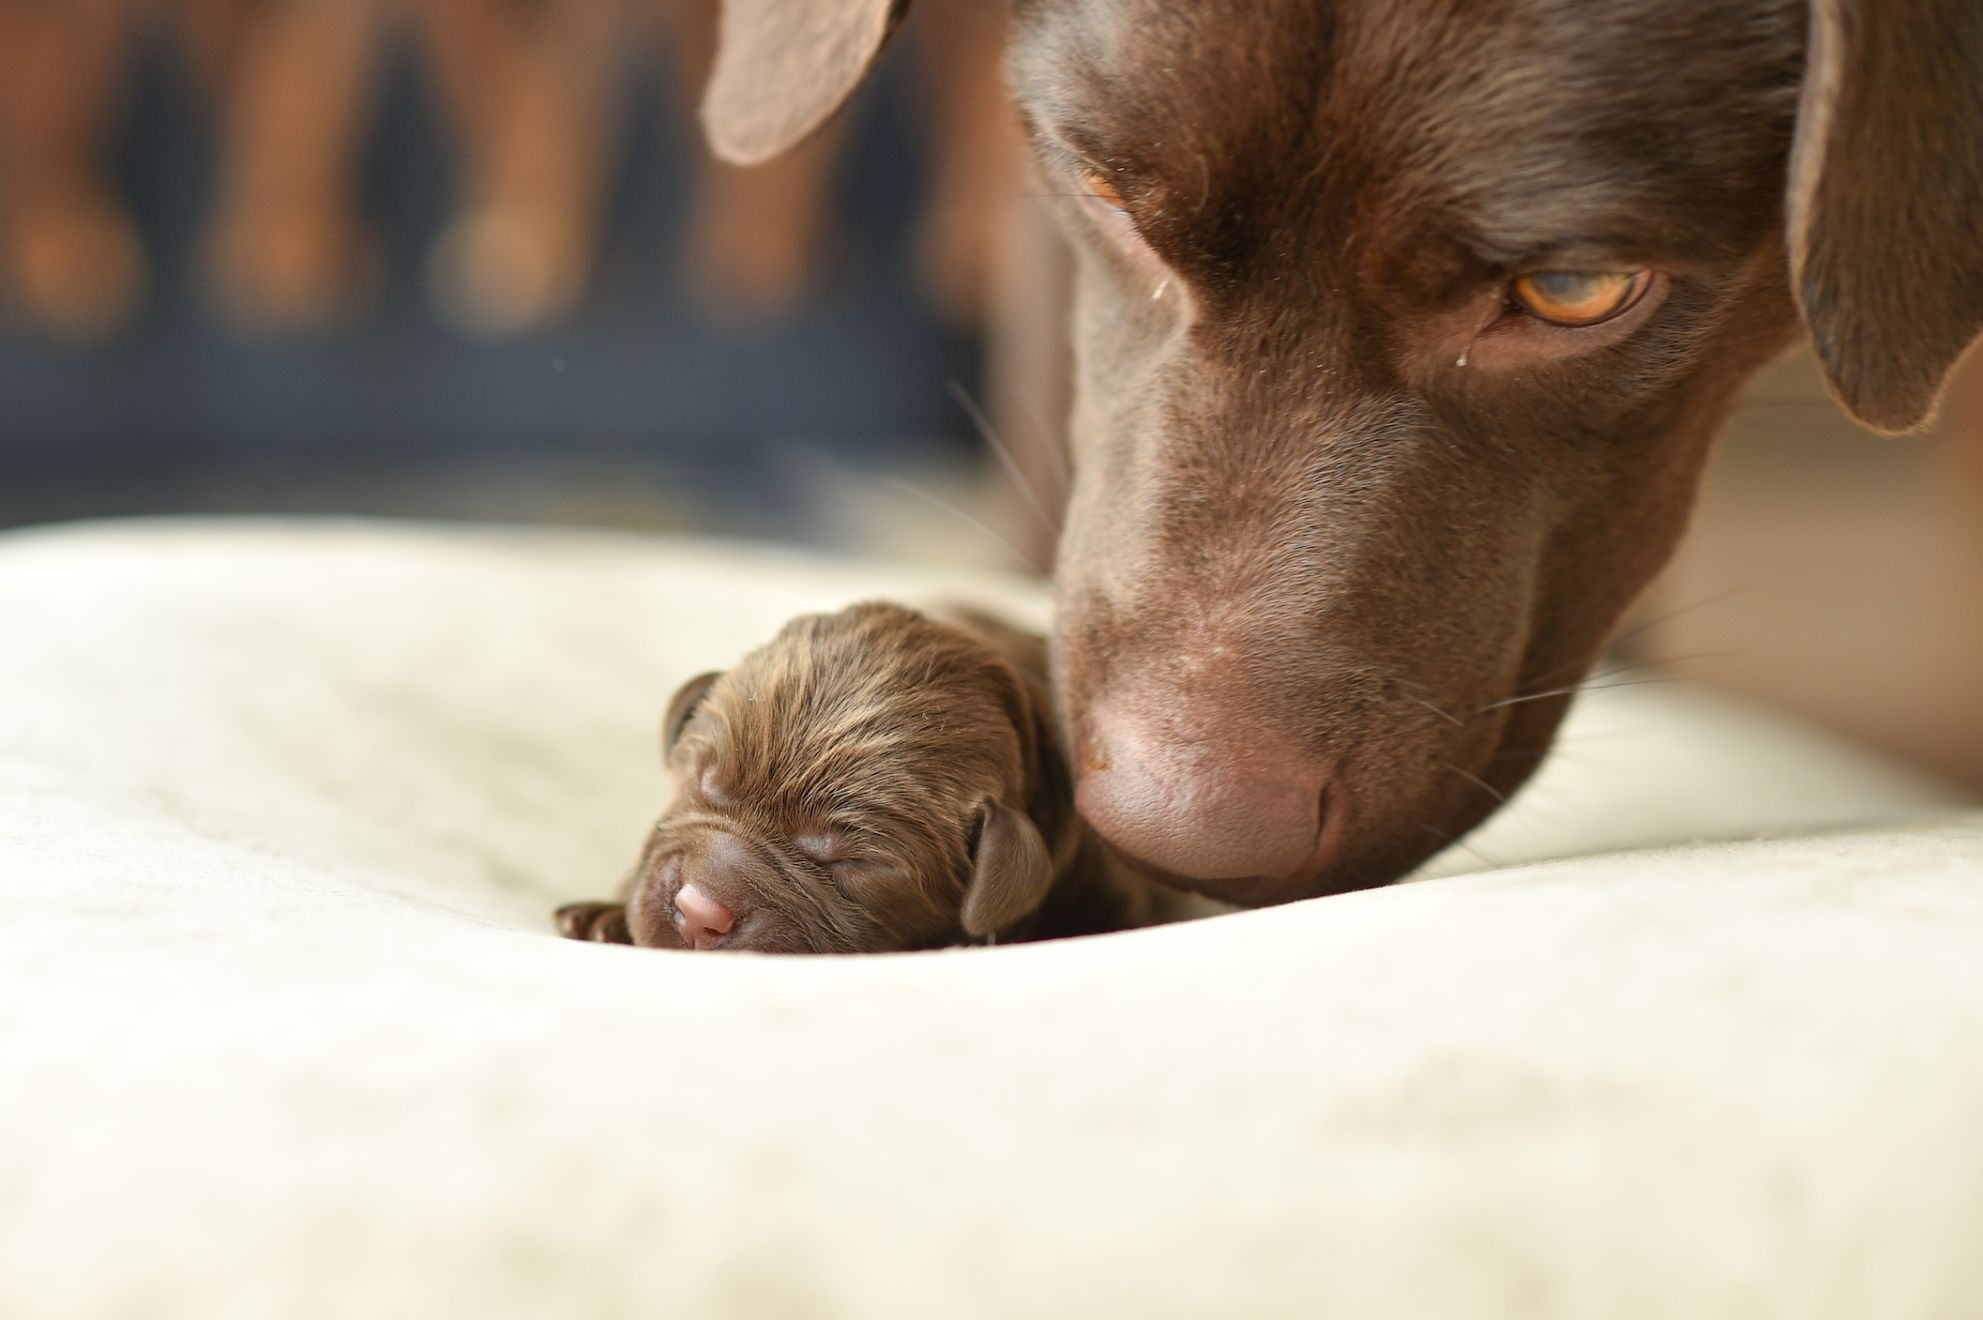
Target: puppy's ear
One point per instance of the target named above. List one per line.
(783, 66)
(1886, 199)
(682, 707)
(1011, 870)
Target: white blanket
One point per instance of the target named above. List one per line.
(283, 1031)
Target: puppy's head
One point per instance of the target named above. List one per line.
(1403, 328)
(868, 780)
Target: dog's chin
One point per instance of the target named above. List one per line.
(1342, 863)
(1345, 860)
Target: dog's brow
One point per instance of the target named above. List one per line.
(1589, 225)
(1073, 150)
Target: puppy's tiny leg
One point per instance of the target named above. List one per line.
(601, 923)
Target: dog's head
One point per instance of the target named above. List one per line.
(1403, 329)
(867, 780)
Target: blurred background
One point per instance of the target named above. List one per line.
(467, 259)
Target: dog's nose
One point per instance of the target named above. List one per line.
(702, 918)
(1209, 813)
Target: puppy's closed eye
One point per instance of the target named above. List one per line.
(831, 860)
(822, 848)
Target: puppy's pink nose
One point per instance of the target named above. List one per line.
(1224, 815)
(704, 920)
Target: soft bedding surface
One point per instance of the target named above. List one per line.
(283, 1030)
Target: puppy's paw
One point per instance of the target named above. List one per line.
(601, 923)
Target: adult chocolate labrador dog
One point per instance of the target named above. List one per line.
(1403, 328)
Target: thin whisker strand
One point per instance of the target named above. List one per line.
(982, 424)
(1572, 689)
(1713, 598)
(942, 505)
(1477, 782)
(1663, 662)
(1455, 841)
(1441, 712)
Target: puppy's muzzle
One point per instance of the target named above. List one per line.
(700, 893)
(702, 918)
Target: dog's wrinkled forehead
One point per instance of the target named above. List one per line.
(1501, 125)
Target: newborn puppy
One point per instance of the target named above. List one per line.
(869, 780)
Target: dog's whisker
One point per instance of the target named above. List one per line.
(1440, 711)
(1050, 422)
(1598, 681)
(1571, 689)
(1664, 661)
(1630, 666)
(1477, 782)
(1640, 629)
(1455, 841)
(943, 505)
(1003, 452)
(1036, 417)
(1056, 452)
(1712, 598)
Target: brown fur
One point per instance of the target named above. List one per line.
(1345, 524)
(853, 778)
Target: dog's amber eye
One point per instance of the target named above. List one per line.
(1105, 200)
(1100, 194)
(1579, 297)
(1102, 191)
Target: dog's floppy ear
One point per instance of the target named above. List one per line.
(682, 707)
(1010, 870)
(783, 66)
(1886, 199)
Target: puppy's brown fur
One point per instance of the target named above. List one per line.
(874, 779)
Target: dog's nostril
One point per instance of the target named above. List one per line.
(1200, 813)
(702, 918)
